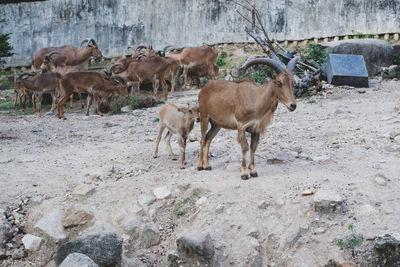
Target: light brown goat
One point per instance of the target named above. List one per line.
(69, 55)
(39, 84)
(243, 106)
(197, 72)
(178, 121)
(189, 57)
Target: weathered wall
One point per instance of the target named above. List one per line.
(117, 23)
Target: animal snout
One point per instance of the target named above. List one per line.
(293, 107)
(198, 120)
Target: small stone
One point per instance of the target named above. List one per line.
(279, 203)
(201, 201)
(388, 210)
(361, 91)
(320, 230)
(304, 227)
(127, 108)
(83, 190)
(292, 238)
(149, 236)
(162, 192)
(78, 260)
(327, 202)
(74, 217)
(31, 242)
(5, 232)
(380, 180)
(309, 192)
(219, 209)
(36, 200)
(146, 199)
(254, 233)
(263, 204)
(131, 227)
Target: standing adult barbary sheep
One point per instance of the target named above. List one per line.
(244, 106)
(179, 121)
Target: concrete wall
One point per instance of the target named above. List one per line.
(115, 24)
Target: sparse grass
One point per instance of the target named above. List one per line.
(156, 120)
(184, 205)
(352, 241)
(135, 101)
(257, 76)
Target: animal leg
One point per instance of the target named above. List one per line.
(182, 146)
(136, 85)
(255, 137)
(245, 147)
(71, 101)
(53, 102)
(97, 99)
(81, 100)
(164, 87)
(203, 127)
(23, 103)
(209, 137)
(16, 98)
(61, 103)
(160, 131)
(168, 142)
(89, 103)
(156, 84)
(184, 74)
(173, 82)
(38, 101)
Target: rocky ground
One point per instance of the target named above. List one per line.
(328, 187)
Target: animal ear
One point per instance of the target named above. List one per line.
(182, 110)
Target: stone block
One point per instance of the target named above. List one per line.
(346, 70)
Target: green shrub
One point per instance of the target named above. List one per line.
(5, 47)
(314, 53)
(257, 76)
(220, 62)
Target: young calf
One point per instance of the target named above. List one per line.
(179, 121)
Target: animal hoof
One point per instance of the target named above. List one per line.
(208, 169)
(155, 156)
(182, 168)
(254, 174)
(174, 158)
(245, 177)
(200, 168)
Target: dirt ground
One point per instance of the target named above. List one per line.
(339, 141)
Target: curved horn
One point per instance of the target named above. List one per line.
(27, 73)
(292, 64)
(84, 41)
(165, 48)
(48, 55)
(131, 47)
(113, 66)
(91, 40)
(140, 47)
(265, 61)
(141, 56)
(119, 79)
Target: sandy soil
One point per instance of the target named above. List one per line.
(340, 142)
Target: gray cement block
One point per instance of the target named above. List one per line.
(346, 70)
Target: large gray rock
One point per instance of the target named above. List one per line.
(50, 226)
(386, 251)
(195, 249)
(104, 248)
(377, 53)
(78, 260)
(5, 232)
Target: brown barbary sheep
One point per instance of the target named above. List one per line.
(243, 106)
(179, 121)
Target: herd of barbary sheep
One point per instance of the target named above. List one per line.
(240, 105)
